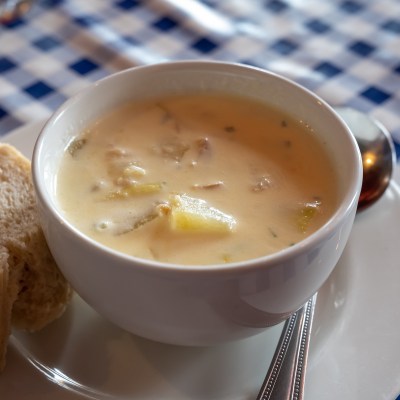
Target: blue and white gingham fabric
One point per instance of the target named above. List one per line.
(347, 51)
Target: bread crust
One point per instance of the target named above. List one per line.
(33, 291)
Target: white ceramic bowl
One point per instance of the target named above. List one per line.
(192, 305)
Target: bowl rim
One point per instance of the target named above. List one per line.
(346, 206)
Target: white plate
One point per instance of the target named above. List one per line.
(355, 351)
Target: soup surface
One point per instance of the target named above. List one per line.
(197, 179)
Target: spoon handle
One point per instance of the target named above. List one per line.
(286, 375)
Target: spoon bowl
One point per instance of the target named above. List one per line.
(377, 153)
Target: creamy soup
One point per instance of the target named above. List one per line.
(197, 179)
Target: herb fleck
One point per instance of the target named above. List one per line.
(203, 145)
(287, 143)
(168, 117)
(166, 113)
(273, 233)
(230, 129)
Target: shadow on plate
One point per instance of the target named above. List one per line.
(86, 354)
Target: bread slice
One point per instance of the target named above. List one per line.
(33, 292)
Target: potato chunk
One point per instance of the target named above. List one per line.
(188, 214)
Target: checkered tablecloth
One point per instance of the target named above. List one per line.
(347, 51)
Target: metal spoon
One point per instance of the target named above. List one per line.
(286, 375)
(377, 152)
